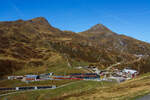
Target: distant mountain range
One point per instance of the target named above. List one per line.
(35, 42)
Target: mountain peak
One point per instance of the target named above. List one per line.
(98, 28)
(39, 20)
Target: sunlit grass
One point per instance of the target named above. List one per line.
(62, 92)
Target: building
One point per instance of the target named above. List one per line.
(14, 77)
(45, 76)
(130, 73)
(30, 78)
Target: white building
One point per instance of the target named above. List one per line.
(130, 71)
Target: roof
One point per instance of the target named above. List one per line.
(130, 71)
(31, 76)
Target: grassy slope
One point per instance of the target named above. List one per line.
(129, 90)
(88, 90)
(59, 93)
(37, 43)
(57, 65)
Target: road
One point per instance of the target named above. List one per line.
(147, 97)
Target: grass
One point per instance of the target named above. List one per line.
(51, 62)
(129, 90)
(82, 90)
(91, 90)
(57, 65)
(18, 83)
(59, 93)
(54, 64)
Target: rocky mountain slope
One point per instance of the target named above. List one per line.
(37, 46)
(111, 40)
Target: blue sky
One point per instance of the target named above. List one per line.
(129, 17)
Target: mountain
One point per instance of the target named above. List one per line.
(32, 46)
(121, 43)
(99, 29)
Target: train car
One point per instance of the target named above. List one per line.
(66, 78)
(85, 75)
(8, 89)
(26, 88)
(78, 76)
(44, 87)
